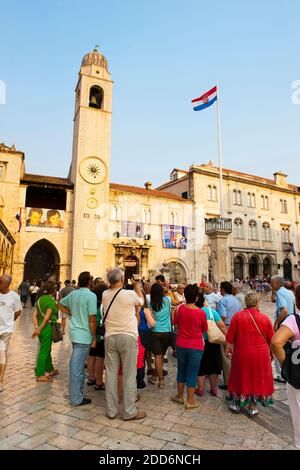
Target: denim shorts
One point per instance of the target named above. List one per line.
(188, 365)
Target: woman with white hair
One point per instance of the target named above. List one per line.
(248, 344)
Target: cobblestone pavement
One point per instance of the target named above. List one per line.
(38, 416)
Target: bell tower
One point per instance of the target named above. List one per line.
(91, 164)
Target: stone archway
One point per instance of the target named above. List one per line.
(177, 273)
(253, 267)
(239, 263)
(287, 270)
(41, 259)
(268, 266)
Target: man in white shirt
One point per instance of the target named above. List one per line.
(10, 310)
(121, 348)
(212, 299)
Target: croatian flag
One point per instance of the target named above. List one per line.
(205, 100)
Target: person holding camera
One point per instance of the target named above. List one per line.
(121, 343)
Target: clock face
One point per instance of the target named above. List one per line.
(93, 170)
(92, 203)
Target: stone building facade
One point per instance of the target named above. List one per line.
(264, 213)
(63, 226)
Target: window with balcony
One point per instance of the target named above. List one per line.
(266, 232)
(252, 230)
(211, 193)
(285, 234)
(238, 228)
(116, 213)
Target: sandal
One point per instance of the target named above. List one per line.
(152, 380)
(178, 400)
(53, 373)
(91, 382)
(44, 378)
(161, 384)
(139, 415)
(252, 412)
(99, 387)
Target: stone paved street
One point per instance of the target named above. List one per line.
(38, 415)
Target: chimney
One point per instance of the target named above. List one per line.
(280, 179)
(148, 185)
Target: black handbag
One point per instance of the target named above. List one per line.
(56, 332)
(100, 329)
(290, 371)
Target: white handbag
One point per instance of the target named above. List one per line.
(214, 333)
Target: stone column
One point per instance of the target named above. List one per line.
(218, 231)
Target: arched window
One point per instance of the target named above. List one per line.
(285, 234)
(237, 197)
(283, 206)
(266, 232)
(238, 228)
(96, 97)
(149, 216)
(265, 202)
(251, 200)
(174, 218)
(252, 230)
(116, 213)
(209, 193)
(144, 216)
(214, 193)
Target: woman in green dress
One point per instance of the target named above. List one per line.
(45, 311)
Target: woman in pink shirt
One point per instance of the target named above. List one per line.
(289, 331)
(190, 323)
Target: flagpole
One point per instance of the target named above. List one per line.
(220, 153)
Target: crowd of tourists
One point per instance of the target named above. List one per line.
(122, 332)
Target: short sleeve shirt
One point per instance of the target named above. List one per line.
(45, 302)
(284, 299)
(9, 304)
(82, 304)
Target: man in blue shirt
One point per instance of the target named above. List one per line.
(285, 305)
(81, 304)
(227, 307)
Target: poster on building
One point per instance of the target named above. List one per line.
(132, 229)
(174, 236)
(44, 220)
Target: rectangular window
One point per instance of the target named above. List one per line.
(2, 170)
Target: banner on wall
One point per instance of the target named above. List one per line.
(174, 236)
(44, 220)
(132, 229)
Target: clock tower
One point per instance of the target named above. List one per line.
(90, 165)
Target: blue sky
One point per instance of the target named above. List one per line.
(161, 54)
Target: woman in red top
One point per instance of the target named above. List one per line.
(190, 323)
(251, 379)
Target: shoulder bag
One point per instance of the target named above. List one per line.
(100, 330)
(291, 366)
(56, 327)
(214, 333)
(271, 355)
